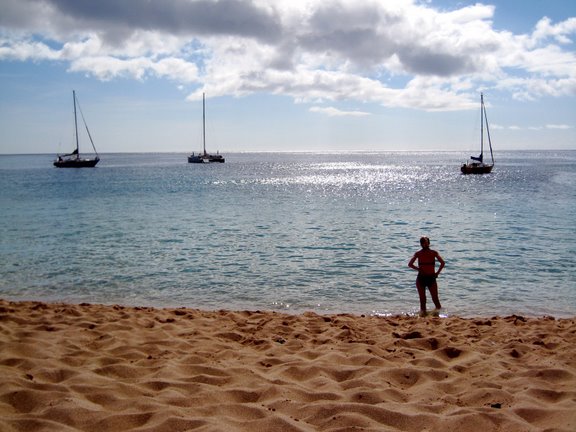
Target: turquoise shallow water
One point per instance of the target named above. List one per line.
(291, 232)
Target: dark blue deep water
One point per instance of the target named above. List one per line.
(291, 232)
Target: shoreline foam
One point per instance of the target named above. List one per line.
(92, 367)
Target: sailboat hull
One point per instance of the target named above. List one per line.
(195, 159)
(216, 158)
(207, 158)
(76, 163)
(476, 168)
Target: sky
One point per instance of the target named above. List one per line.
(287, 75)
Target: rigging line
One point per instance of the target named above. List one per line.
(488, 133)
(86, 126)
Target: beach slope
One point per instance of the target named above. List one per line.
(101, 368)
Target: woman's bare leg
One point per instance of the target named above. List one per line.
(434, 293)
(422, 295)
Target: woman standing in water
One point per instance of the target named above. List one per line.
(427, 273)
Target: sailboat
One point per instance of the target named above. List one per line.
(204, 157)
(73, 160)
(477, 165)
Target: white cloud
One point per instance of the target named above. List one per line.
(558, 126)
(107, 68)
(560, 32)
(334, 112)
(311, 50)
(533, 128)
(27, 51)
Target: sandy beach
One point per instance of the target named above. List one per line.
(102, 368)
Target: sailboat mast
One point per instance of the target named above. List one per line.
(75, 123)
(204, 121)
(488, 134)
(481, 127)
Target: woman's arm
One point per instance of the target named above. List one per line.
(411, 263)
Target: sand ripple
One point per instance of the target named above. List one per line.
(112, 368)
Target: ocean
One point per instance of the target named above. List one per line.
(292, 232)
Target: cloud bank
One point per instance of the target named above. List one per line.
(398, 54)
(334, 112)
